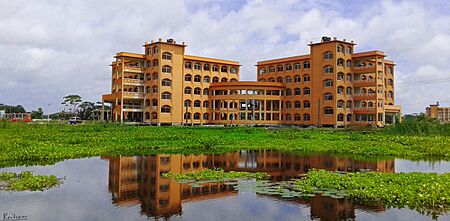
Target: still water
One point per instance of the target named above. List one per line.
(131, 188)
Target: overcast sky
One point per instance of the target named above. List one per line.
(50, 49)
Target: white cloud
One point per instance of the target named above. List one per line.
(50, 49)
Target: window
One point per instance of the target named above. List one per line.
(306, 117)
(197, 103)
(187, 77)
(223, 80)
(215, 79)
(206, 79)
(306, 91)
(389, 70)
(147, 90)
(328, 55)
(206, 67)
(349, 104)
(340, 90)
(390, 94)
(197, 116)
(306, 78)
(155, 102)
(197, 91)
(148, 64)
(205, 116)
(197, 66)
(233, 70)
(328, 96)
(167, 56)
(166, 95)
(197, 78)
(279, 68)
(306, 64)
(328, 83)
(233, 80)
(288, 92)
(297, 66)
(327, 69)
(215, 68)
(298, 104)
(155, 50)
(390, 82)
(348, 63)
(340, 48)
(224, 69)
(271, 69)
(349, 117)
(148, 77)
(348, 77)
(306, 104)
(147, 102)
(262, 71)
(187, 103)
(288, 67)
(205, 104)
(155, 63)
(148, 51)
(166, 82)
(166, 69)
(297, 78)
(206, 91)
(340, 76)
(340, 62)
(280, 79)
(340, 117)
(297, 91)
(187, 116)
(165, 109)
(288, 105)
(328, 110)
(288, 79)
(297, 117)
(340, 104)
(155, 76)
(348, 50)
(155, 89)
(188, 65)
(271, 80)
(188, 90)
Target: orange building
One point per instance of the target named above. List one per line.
(439, 113)
(332, 86)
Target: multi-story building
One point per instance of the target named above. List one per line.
(439, 113)
(331, 86)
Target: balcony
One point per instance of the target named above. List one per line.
(134, 69)
(364, 110)
(364, 83)
(132, 107)
(371, 96)
(132, 81)
(136, 95)
(364, 69)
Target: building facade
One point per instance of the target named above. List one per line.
(331, 86)
(439, 113)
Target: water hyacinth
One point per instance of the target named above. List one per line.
(27, 181)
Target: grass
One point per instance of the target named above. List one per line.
(215, 175)
(27, 181)
(30, 144)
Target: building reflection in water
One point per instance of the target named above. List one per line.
(137, 180)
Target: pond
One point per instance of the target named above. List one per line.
(131, 188)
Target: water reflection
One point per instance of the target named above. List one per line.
(137, 180)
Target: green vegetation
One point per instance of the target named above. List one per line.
(215, 175)
(419, 126)
(27, 144)
(27, 181)
(420, 191)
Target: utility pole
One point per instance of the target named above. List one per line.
(48, 114)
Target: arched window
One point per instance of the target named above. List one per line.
(340, 62)
(206, 67)
(187, 103)
(205, 116)
(197, 103)
(327, 69)
(206, 79)
(271, 80)
(262, 80)
(349, 104)
(348, 64)
(224, 69)
(166, 82)
(370, 104)
(165, 109)
(306, 91)
(297, 117)
(297, 104)
(390, 82)
(348, 50)
(328, 83)
(147, 102)
(155, 115)
(233, 70)
(215, 79)
(328, 55)
(166, 95)
(206, 91)
(187, 116)
(155, 62)
(340, 90)
(288, 117)
(280, 79)
(306, 117)
(297, 91)
(348, 90)
(167, 56)
(389, 70)
(297, 78)
(197, 91)
(197, 116)
(223, 80)
(215, 68)
(155, 50)
(205, 104)
(166, 69)
(340, 117)
(340, 76)
(197, 78)
(155, 76)
(147, 89)
(262, 71)
(155, 102)
(348, 77)
(340, 103)
(306, 104)
(280, 68)
(288, 67)
(328, 96)
(340, 48)
(306, 78)
(147, 115)
(233, 80)
(188, 90)
(288, 105)
(155, 89)
(297, 66)
(187, 77)
(197, 66)
(188, 65)
(148, 77)
(349, 117)
(306, 64)
(271, 69)
(328, 110)
(288, 92)
(288, 79)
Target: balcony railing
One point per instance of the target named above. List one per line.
(133, 68)
(371, 96)
(364, 68)
(133, 81)
(364, 83)
(133, 94)
(132, 106)
(364, 109)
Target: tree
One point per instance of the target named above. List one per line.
(86, 109)
(37, 114)
(72, 100)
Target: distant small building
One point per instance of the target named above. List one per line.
(440, 113)
(2, 113)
